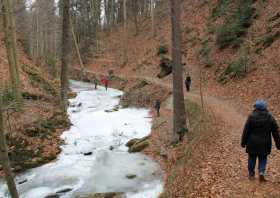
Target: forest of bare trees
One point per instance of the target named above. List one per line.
(39, 25)
(56, 34)
(86, 83)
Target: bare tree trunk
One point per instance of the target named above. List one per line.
(125, 58)
(10, 41)
(200, 88)
(135, 11)
(77, 47)
(136, 23)
(179, 112)
(4, 159)
(65, 53)
(37, 35)
(153, 17)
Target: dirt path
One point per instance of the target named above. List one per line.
(218, 167)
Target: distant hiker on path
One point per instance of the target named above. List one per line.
(157, 107)
(257, 138)
(188, 82)
(95, 81)
(105, 81)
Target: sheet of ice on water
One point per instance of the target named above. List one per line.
(100, 133)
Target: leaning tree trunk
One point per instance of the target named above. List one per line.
(10, 42)
(4, 159)
(179, 112)
(65, 53)
(125, 58)
(153, 17)
(201, 88)
(77, 47)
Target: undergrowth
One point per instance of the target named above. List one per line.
(237, 68)
(220, 9)
(7, 96)
(162, 50)
(235, 25)
(204, 53)
(39, 81)
(198, 123)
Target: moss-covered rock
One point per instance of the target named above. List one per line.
(131, 142)
(139, 146)
(131, 176)
(32, 96)
(165, 66)
(43, 128)
(106, 195)
(72, 94)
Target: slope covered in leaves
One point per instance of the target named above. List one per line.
(33, 131)
(245, 61)
(237, 46)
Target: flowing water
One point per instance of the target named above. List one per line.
(99, 130)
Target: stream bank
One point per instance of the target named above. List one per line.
(96, 141)
(174, 160)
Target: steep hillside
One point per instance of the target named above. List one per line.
(255, 44)
(33, 131)
(236, 45)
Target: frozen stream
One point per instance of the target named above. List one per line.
(102, 134)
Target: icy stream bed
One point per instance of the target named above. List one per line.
(102, 134)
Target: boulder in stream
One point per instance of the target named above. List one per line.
(116, 108)
(22, 181)
(131, 142)
(107, 195)
(88, 153)
(138, 145)
(53, 196)
(17, 169)
(66, 190)
(131, 176)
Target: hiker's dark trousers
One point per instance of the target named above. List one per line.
(252, 159)
(188, 87)
(158, 112)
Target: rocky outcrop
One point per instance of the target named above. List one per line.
(138, 145)
(38, 143)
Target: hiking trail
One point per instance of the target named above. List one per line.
(219, 164)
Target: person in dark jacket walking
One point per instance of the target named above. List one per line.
(256, 138)
(157, 107)
(188, 82)
(95, 81)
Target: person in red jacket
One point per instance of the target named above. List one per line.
(105, 81)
